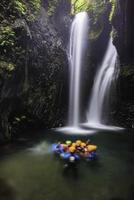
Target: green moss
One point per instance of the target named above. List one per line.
(20, 6)
(28, 9)
(36, 4)
(113, 9)
(7, 36)
(80, 5)
(34, 7)
(11, 12)
(8, 66)
(96, 7)
(96, 31)
(52, 7)
(11, 67)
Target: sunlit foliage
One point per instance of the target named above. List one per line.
(6, 36)
(113, 9)
(80, 5)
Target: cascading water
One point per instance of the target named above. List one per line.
(78, 37)
(101, 88)
(78, 41)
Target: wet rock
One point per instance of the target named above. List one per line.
(39, 80)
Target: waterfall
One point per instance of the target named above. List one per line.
(78, 36)
(102, 85)
(77, 47)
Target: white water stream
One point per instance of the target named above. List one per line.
(105, 76)
(78, 36)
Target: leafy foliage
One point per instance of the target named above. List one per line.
(7, 36)
(10, 13)
(52, 5)
(28, 9)
(80, 5)
(6, 66)
(94, 6)
(20, 7)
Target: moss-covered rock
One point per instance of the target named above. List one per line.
(113, 9)
(123, 23)
(32, 62)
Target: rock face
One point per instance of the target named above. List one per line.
(124, 42)
(34, 74)
(124, 22)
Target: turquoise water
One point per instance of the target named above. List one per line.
(34, 173)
